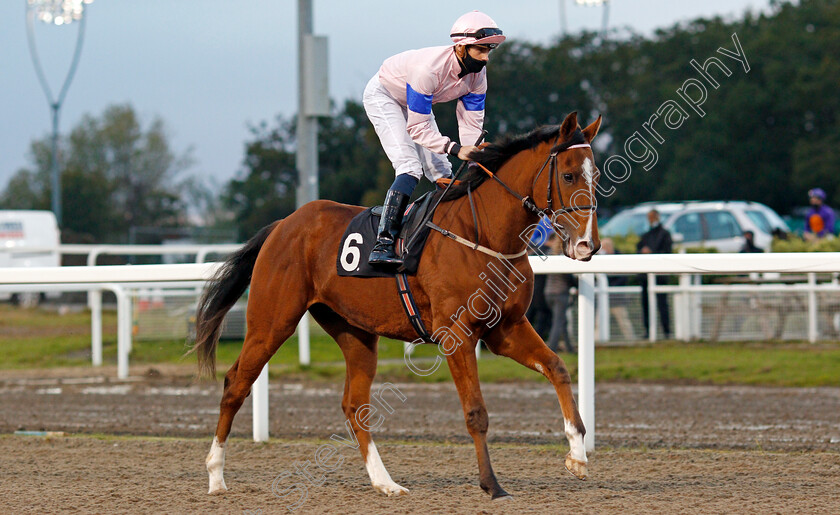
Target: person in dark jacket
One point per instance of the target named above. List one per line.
(749, 243)
(539, 312)
(657, 240)
(558, 296)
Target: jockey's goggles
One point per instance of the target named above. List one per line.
(480, 34)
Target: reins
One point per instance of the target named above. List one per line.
(576, 141)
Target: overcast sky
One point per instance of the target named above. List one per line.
(209, 68)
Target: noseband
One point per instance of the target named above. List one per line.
(576, 141)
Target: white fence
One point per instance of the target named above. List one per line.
(94, 251)
(117, 278)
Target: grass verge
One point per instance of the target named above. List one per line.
(40, 339)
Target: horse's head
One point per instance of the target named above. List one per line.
(564, 187)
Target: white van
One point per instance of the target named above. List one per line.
(22, 230)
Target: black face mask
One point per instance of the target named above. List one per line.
(470, 64)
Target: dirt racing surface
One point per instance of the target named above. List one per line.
(634, 415)
(663, 448)
(141, 476)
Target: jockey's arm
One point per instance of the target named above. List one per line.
(419, 122)
(470, 114)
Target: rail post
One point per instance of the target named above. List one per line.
(603, 307)
(260, 414)
(303, 340)
(812, 307)
(95, 300)
(586, 356)
(651, 302)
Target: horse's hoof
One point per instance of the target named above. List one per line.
(576, 467)
(391, 489)
(217, 489)
(504, 496)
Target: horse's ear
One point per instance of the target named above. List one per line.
(590, 132)
(568, 127)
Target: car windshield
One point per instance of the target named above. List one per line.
(758, 218)
(628, 222)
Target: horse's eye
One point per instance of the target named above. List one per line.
(569, 178)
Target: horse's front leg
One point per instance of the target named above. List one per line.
(520, 342)
(464, 370)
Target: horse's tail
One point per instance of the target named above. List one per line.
(229, 283)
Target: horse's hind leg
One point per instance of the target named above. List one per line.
(521, 343)
(360, 354)
(267, 331)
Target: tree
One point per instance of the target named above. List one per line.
(352, 166)
(115, 175)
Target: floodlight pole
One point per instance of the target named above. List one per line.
(604, 19)
(55, 104)
(307, 125)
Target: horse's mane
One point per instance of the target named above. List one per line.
(495, 155)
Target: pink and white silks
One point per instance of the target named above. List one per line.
(398, 101)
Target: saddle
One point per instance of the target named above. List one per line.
(360, 236)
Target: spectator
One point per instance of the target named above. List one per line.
(608, 247)
(618, 307)
(819, 222)
(539, 312)
(657, 240)
(557, 295)
(749, 243)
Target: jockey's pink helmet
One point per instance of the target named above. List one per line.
(476, 28)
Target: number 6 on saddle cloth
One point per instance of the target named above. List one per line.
(360, 236)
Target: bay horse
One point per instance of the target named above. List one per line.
(290, 266)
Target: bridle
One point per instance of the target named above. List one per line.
(576, 141)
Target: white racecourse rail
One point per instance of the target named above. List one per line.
(111, 277)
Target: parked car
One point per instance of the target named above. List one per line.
(716, 224)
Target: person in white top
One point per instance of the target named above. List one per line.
(398, 101)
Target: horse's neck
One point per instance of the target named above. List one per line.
(501, 217)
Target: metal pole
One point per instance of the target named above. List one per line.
(307, 126)
(55, 105)
(586, 356)
(307, 149)
(56, 176)
(563, 25)
(605, 19)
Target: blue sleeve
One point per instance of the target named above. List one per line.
(418, 102)
(473, 101)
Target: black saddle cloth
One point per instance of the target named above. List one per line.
(359, 238)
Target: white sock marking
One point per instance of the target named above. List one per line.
(215, 466)
(379, 476)
(578, 451)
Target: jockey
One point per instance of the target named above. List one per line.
(398, 101)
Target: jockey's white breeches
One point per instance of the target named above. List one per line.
(389, 119)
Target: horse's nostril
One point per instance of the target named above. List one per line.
(583, 249)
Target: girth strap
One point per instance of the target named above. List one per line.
(411, 309)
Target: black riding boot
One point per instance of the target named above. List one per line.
(383, 254)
